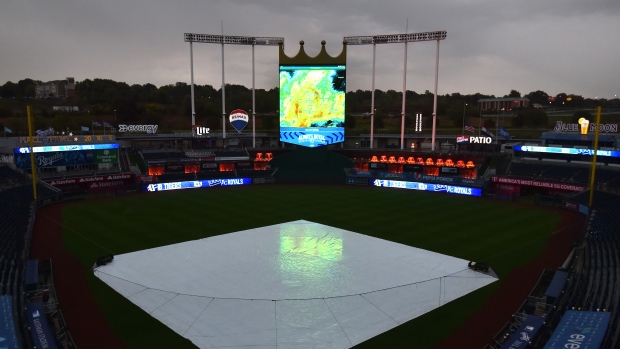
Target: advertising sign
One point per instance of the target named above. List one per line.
(522, 337)
(206, 183)
(138, 128)
(69, 147)
(580, 330)
(450, 189)
(539, 184)
(462, 139)
(416, 176)
(66, 158)
(238, 119)
(357, 181)
(39, 327)
(8, 338)
(263, 180)
(202, 131)
(68, 139)
(146, 179)
(45, 133)
(583, 126)
(560, 150)
(94, 183)
(474, 140)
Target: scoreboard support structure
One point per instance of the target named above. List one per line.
(395, 39)
(223, 40)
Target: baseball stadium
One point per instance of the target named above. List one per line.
(144, 239)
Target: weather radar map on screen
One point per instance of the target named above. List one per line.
(312, 104)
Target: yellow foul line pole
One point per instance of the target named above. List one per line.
(33, 169)
(593, 171)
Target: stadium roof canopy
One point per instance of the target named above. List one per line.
(297, 284)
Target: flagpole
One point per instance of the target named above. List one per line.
(480, 123)
(464, 106)
(33, 168)
(594, 151)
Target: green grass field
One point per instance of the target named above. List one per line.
(504, 234)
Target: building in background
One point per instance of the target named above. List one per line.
(56, 89)
(505, 103)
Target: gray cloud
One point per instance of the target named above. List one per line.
(492, 46)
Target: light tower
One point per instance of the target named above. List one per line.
(395, 39)
(234, 40)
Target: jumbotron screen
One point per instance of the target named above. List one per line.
(312, 104)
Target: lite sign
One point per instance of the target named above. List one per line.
(584, 126)
(202, 131)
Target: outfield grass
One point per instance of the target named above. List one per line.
(506, 235)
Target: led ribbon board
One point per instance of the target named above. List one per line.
(450, 189)
(205, 183)
(559, 150)
(66, 155)
(70, 147)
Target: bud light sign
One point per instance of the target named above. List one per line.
(238, 119)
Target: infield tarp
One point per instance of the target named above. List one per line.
(8, 338)
(292, 285)
(524, 334)
(39, 328)
(580, 329)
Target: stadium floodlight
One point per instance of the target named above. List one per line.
(395, 39)
(226, 40)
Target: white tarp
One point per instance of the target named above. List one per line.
(291, 285)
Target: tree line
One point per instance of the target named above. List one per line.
(151, 104)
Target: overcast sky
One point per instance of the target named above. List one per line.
(492, 46)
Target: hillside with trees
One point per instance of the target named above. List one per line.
(170, 106)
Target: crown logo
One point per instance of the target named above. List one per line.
(323, 58)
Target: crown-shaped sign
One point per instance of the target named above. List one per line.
(322, 58)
